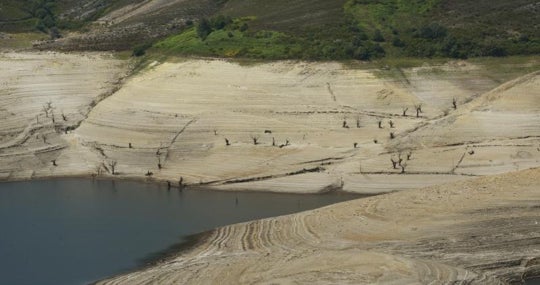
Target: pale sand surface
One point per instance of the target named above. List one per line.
(480, 231)
(72, 83)
(178, 114)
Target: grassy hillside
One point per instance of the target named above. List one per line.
(367, 29)
(306, 29)
(41, 15)
(457, 28)
(291, 16)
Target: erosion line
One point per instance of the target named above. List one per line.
(331, 92)
(177, 135)
(459, 162)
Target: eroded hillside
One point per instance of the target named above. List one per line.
(43, 97)
(281, 126)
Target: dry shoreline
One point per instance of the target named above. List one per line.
(184, 111)
(167, 254)
(299, 127)
(477, 232)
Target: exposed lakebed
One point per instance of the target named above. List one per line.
(76, 231)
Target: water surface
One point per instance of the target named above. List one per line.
(77, 231)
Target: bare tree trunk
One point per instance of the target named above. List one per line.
(394, 163)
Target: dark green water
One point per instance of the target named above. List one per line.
(77, 231)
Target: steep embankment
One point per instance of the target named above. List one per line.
(291, 126)
(42, 97)
(482, 231)
(499, 124)
(180, 115)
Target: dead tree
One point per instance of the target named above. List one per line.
(54, 162)
(64, 117)
(285, 144)
(405, 109)
(149, 173)
(400, 160)
(47, 107)
(345, 125)
(394, 163)
(418, 108)
(392, 135)
(44, 137)
(403, 166)
(273, 141)
(379, 122)
(130, 145)
(46, 111)
(181, 182)
(98, 170)
(376, 141)
(255, 139)
(112, 165)
(355, 144)
(454, 103)
(358, 122)
(227, 143)
(409, 154)
(159, 162)
(391, 123)
(215, 132)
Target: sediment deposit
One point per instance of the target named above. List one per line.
(305, 128)
(290, 126)
(43, 97)
(480, 231)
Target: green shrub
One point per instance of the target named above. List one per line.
(140, 50)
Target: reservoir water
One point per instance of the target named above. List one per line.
(77, 231)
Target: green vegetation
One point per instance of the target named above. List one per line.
(299, 29)
(21, 40)
(363, 29)
(18, 16)
(227, 38)
(140, 50)
(454, 29)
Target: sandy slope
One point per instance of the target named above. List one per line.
(188, 109)
(29, 139)
(482, 231)
(179, 114)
